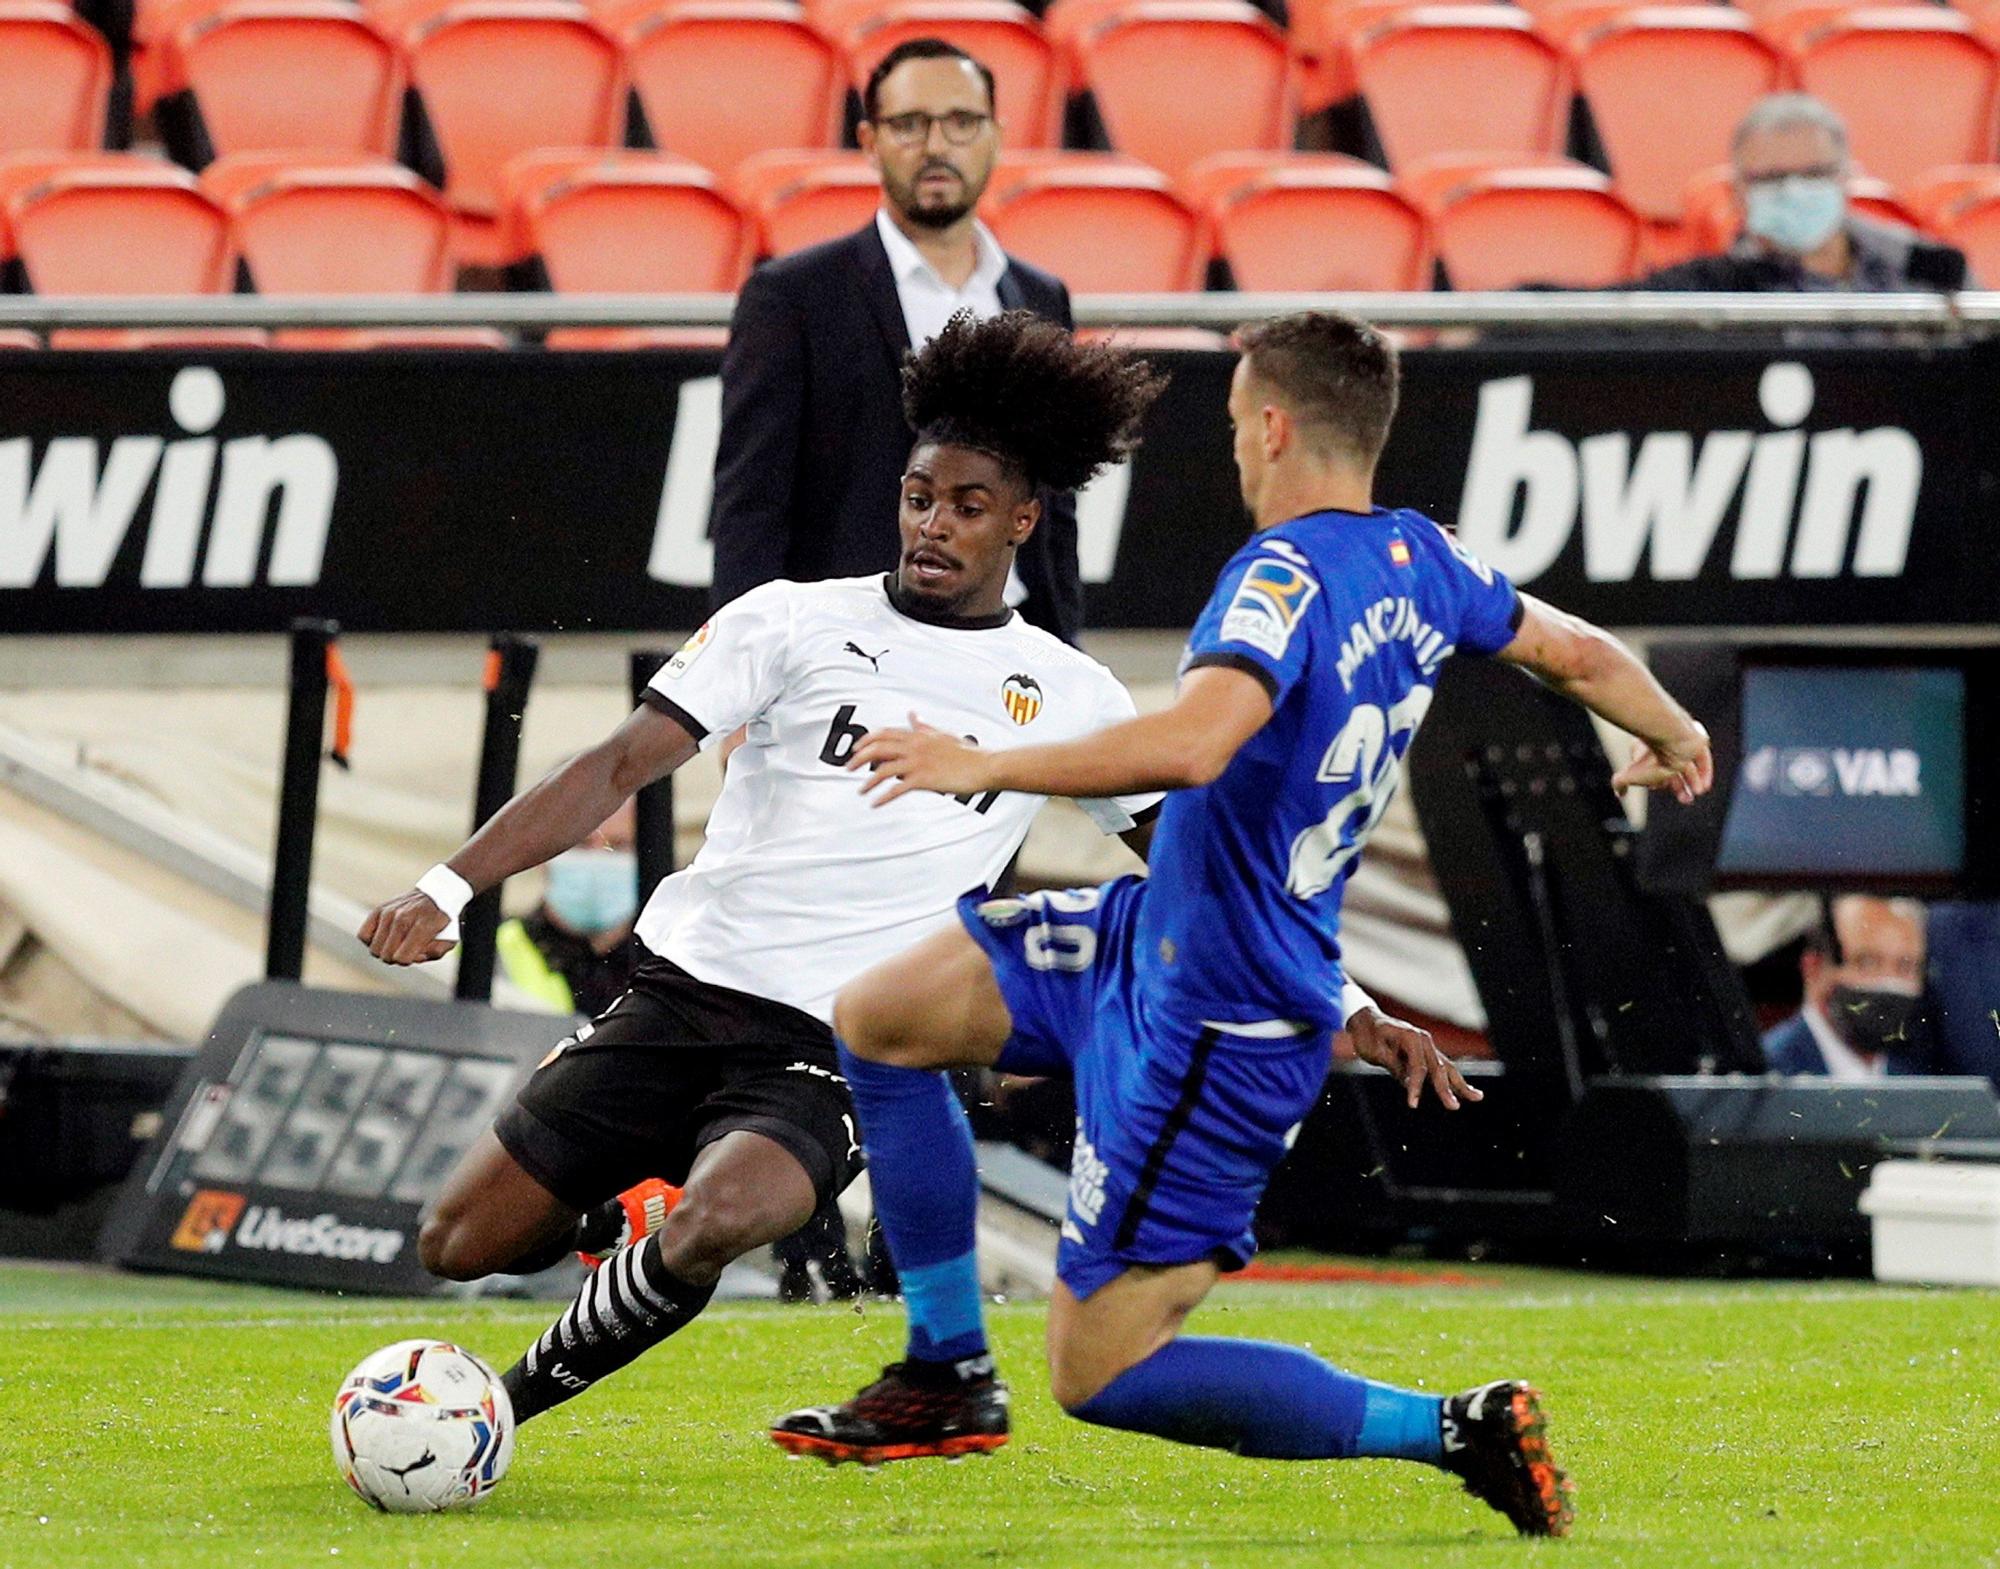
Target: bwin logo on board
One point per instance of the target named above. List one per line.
(1655, 507)
(212, 502)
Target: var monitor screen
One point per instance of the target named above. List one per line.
(1848, 770)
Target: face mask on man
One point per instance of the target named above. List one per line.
(593, 891)
(1874, 1019)
(1798, 213)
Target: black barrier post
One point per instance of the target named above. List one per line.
(298, 801)
(510, 670)
(653, 814)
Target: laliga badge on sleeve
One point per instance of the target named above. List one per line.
(689, 651)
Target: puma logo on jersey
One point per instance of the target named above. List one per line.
(874, 660)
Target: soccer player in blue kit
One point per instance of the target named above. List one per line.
(1194, 1008)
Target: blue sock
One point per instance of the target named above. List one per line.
(926, 1187)
(1268, 1401)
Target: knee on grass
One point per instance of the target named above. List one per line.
(1074, 1381)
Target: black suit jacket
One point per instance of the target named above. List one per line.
(813, 438)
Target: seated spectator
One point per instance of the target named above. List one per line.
(1791, 163)
(1863, 969)
(1963, 938)
(574, 950)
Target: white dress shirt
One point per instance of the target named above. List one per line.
(1842, 1060)
(928, 301)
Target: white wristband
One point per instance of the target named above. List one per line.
(450, 892)
(1353, 999)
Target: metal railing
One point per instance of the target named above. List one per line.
(1970, 314)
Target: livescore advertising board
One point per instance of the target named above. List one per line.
(1700, 484)
(308, 1132)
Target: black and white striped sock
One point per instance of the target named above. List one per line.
(629, 1305)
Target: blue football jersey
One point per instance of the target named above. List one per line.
(1346, 618)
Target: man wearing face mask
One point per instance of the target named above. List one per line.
(1863, 969)
(574, 949)
(1791, 167)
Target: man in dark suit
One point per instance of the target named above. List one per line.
(1863, 969)
(813, 440)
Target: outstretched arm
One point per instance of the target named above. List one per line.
(538, 824)
(1187, 744)
(1588, 664)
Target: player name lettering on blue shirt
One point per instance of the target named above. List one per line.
(1345, 618)
(1392, 620)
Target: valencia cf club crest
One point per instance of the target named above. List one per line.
(206, 1225)
(1023, 698)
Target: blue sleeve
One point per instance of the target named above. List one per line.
(1255, 621)
(1490, 607)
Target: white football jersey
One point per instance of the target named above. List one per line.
(803, 882)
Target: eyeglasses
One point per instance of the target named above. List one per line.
(1818, 171)
(960, 126)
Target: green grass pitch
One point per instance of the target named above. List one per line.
(153, 1422)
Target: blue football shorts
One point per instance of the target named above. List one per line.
(1179, 1123)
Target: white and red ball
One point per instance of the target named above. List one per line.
(422, 1425)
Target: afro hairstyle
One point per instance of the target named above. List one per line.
(1054, 411)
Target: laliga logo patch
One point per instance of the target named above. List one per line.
(210, 1217)
(690, 651)
(1269, 603)
(1022, 696)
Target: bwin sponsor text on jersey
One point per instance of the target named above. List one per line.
(1654, 503)
(212, 501)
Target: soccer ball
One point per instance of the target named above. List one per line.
(422, 1425)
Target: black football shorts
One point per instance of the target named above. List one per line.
(667, 1070)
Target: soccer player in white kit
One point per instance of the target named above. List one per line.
(717, 1071)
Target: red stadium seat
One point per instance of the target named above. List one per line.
(1972, 223)
(1931, 197)
(1322, 33)
(1867, 63)
(1310, 222)
(159, 338)
(115, 225)
(998, 33)
(1763, 12)
(806, 198)
(498, 78)
(1656, 139)
(722, 79)
(1498, 227)
(1116, 230)
(636, 224)
(1177, 81)
(18, 338)
(1714, 220)
(55, 79)
(600, 338)
(1016, 163)
(358, 338)
(1447, 80)
(838, 18)
(253, 75)
(1141, 340)
(340, 227)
